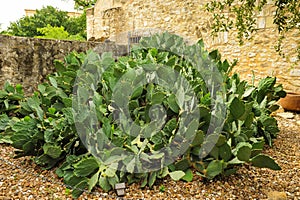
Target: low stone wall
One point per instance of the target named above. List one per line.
(28, 60)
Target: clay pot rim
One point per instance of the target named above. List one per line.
(291, 102)
(293, 93)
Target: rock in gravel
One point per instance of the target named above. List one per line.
(275, 195)
(286, 115)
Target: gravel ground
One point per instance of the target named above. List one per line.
(22, 179)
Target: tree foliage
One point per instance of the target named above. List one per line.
(286, 18)
(50, 32)
(29, 26)
(83, 4)
(53, 32)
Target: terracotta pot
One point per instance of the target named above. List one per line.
(291, 102)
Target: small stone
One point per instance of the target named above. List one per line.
(167, 19)
(275, 195)
(286, 115)
(251, 55)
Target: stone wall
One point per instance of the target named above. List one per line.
(116, 19)
(28, 60)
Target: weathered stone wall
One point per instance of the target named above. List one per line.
(28, 61)
(114, 19)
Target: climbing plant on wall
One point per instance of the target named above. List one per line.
(286, 17)
(84, 4)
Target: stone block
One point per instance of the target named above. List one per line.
(251, 55)
(295, 73)
(269, 22)
(261, 22)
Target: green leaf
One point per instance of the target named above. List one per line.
(72, 180)
(221, 140)
(183, 164)
(59, 172)
(164, 172)
(157, 98)
(130, 166)
(225, 152)
(214, 152)
(170, 125)
(107, 59)
(145, 181)
(19, 140)
(52, 150)
(53, 82)
(152, 179)
(104, 184)
(110, 172)
(3, 94)
(228, 172)
(137, 92)
(266, 83)
(79, 188)
(59, 66)
(113, 180)
(49, 136)
(68, 115)
(188, 175)
(258, 145)
(28, 147)
(199, 138)
(248, 92)
(4, 119)
(93, 181)
(45, 161)
(213, 169)
(215, 55)
(249, 120)
(34, 104)
(85, 167)
(176, 175)
(41, 88)
(52, 110)
(237, 108)
(264, 161)
(235, 161)
(6, 103)
(8, 87)
(244, 151)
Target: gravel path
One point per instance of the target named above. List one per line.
(22, 179)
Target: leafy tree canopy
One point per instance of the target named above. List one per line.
(59, 33)
(28, 26)
(286, 18)
(83, 4)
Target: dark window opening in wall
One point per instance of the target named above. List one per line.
(135, 39)
(135, 36)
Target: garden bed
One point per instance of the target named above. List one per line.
(22, 179)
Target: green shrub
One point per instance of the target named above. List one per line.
(60, 126)
(58, 33)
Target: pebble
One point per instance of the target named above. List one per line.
(286, 115)
(275, 195)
